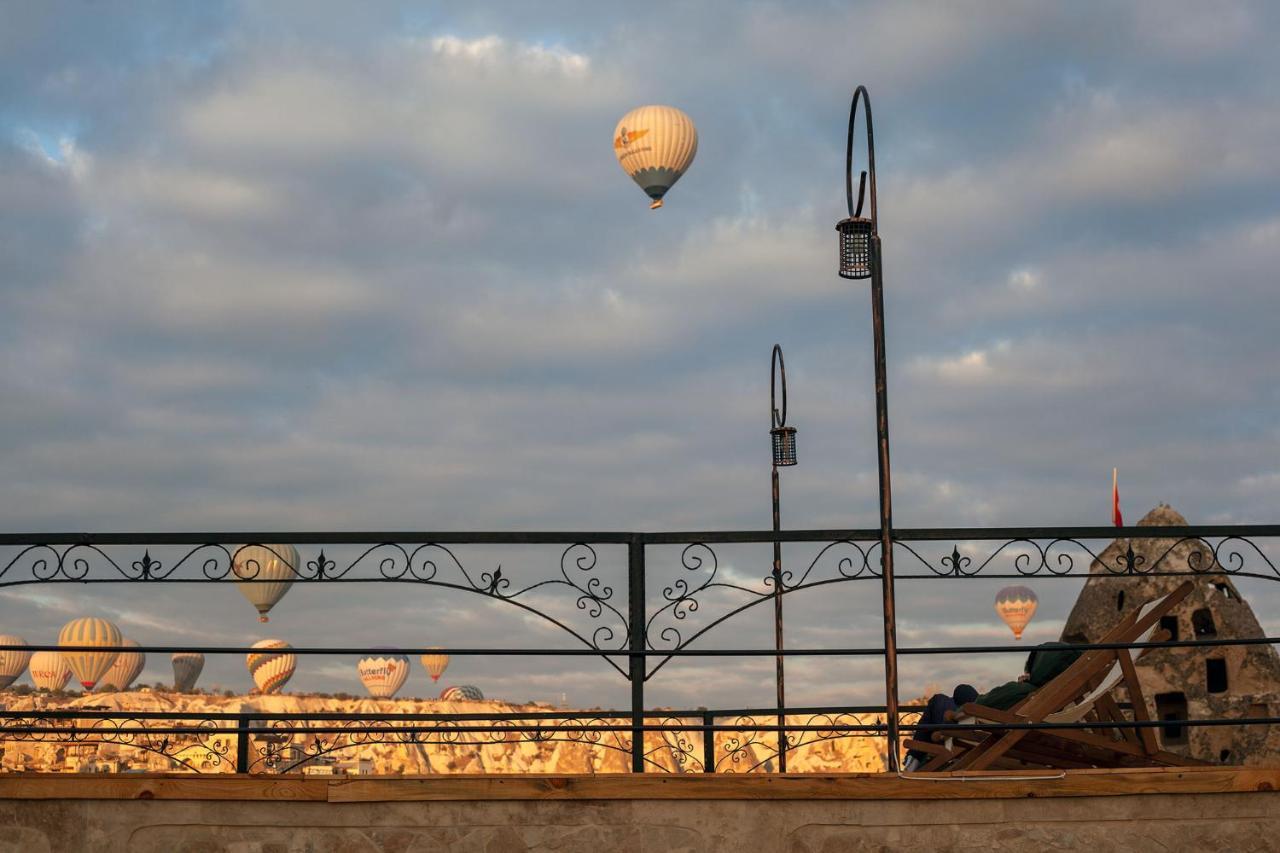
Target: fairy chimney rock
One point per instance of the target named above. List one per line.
(1187, 683)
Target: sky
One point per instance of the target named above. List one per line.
(373, 266)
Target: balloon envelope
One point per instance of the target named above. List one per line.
(186, 670)
(90, 666)
(1016, 605)
(12, 663)
(125, 670)
(272, 667)
(264, 574)
(383, 675)
(461, 693)
(655, 145)
(49, 670)
(435, 664)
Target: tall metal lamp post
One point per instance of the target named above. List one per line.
(784, 454)
(860, 258)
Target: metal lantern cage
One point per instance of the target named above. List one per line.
(858, 233)
(784, 445)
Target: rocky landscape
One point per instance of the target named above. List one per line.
(543, 744)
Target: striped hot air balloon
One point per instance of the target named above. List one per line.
(125, 670)
(264, 574)
(435, 664)
(49, 670)
(461, 693)
(14, 662)
(187, 667)
(1016, 605)
(89, 666)
(272, 667)
(655, 146)
(383, 675)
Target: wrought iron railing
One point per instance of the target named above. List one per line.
(636, 601)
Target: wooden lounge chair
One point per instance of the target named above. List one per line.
(1081, 693)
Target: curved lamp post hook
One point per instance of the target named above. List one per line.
(778, 369)
(861, 92)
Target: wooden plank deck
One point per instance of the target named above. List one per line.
(863, 786)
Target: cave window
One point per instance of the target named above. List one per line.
(1120, 600)
(1202, 622)
(1215, 675)
(1171, 708)
(1224, 756)
(1223, 588)
(1170, 623)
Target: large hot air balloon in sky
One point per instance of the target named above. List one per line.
(90, 666)
(435, 664)
(264, 574)
(186, 670)
(383, 675)
(1016, 605)
(655, 146)
(461, 693)
(272, 666)
(125, 670)
(49, 670)
(12, 663)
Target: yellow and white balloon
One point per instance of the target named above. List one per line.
(655, 145)
(90, 665)
(272, 666)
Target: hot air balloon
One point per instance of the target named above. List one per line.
(1016, 605)
(49, 670)
(125, 670)
(272, 666)
(90, 666)
(186, 670)
(264, 574)
(655, 146)
(383, 675)
(461, 693)
(435, 664)
(12, 663)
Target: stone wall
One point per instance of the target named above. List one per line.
(954, 815)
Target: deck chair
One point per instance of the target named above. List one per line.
(1082, 693)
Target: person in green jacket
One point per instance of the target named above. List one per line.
(1045, 663)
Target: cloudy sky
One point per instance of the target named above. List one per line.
(339, 266)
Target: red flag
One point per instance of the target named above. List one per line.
(1116, 518)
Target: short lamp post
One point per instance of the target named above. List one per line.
(784, 454)
(860, 258)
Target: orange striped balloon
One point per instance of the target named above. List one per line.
(12, 663)
(49, 670)
(89, 666)
(435, 664)
(272, 667)
(125, 670)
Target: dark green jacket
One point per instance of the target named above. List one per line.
(1045, 664)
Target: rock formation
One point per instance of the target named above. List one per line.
(1188, 683)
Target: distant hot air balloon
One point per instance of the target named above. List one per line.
(90, 666)
(12, 663)
(461, 693)
(435, 664)
(1016, 605)
(383, 675)
(49, 670)
(186, 670)
(272, 666)
(125, 670)
(264, 574)
(655, 146)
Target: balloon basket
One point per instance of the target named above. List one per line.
(855, 247)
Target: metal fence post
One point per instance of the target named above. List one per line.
(708, 744)
(636, 626)
(242, 743)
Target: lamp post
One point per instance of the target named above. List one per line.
(784, 454)
(860, 258)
